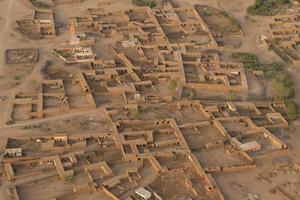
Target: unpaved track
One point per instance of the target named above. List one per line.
(3, 30)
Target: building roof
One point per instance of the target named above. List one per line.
(143, 193)
(250, 146)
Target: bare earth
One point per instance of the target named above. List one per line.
(173, 147)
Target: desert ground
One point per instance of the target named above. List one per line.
(143, 115)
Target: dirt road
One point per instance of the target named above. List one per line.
(5, 19)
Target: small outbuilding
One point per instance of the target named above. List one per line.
(13, 152)
(143, 193)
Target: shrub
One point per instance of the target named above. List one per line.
(292, 109)
(231, 96)
(282, 2)
(233, 20)
(266, 7)
(191, 94)
(281, 80)
(284, 87)
(173, 85)
(251, 97)
(17, 78)
(136, 114)
(174, 156)
(40, 4)
(142, 3)
(160, 115)
(70, 179)
(249, 60)
(272, 70)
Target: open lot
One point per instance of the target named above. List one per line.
(129, 100)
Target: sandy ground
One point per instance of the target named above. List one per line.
(10, 38)
(234, 185)
(12, 10)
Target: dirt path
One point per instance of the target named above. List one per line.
(3, 30)
(295, 74)
(59, 117)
